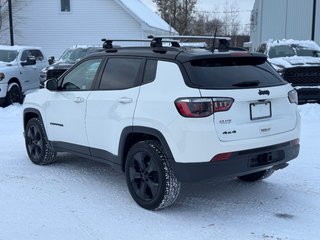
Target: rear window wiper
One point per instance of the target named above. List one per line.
(247, 84)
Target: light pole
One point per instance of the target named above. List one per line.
(314, 17)
(10, 23)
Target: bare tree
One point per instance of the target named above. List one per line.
(206, 25)
(231, 20)
(178, 13)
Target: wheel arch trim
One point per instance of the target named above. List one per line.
(142, 130)
(31, 111)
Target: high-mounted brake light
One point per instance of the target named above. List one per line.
(202, 107)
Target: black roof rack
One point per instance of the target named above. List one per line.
(157, 41)
(108, 43)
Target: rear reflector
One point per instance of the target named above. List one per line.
(222, 157)
(295, 142)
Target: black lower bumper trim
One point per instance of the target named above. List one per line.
(241, 163)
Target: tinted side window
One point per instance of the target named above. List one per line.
(120, 73)
(150, 71)
(82, 76)
(25, 55)
(37, 54)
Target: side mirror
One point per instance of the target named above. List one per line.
(51, 84)
(51, 60)
(30, 61)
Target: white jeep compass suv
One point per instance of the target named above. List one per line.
(166, 115)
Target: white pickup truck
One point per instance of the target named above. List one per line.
(20, 68)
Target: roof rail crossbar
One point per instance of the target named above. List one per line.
(223, 41)
(108, 43)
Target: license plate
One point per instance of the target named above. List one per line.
(260, 110)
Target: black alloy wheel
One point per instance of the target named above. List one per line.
(144, 176)
(34, 141)
(150, 178)
(37, 145)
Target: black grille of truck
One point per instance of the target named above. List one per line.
(307, 76)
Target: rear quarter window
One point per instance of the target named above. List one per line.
(229, 73)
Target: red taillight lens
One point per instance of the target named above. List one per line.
(194, 107)
(202, 107)
(222, 104)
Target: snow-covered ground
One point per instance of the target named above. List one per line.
(80, 199)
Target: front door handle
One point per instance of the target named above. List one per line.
(79, 100)
(125, 100)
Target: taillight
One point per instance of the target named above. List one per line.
(202, 107)
(293, 96)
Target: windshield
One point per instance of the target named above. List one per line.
(281, 51)
(301, 51)
(73, 55)
(292, 50)
(8, 55)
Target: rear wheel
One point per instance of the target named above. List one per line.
(13, 95)
(37, 144)
(150, 179)
(257, 175)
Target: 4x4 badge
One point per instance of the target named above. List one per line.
(264, 92)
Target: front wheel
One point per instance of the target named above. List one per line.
(257, 175)
(150, 179)
(13, 95)
(37, 144)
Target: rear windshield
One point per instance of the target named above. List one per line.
(232, 73)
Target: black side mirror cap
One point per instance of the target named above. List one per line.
(51, 84)
(51, 60)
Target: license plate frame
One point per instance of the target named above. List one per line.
(260, 110)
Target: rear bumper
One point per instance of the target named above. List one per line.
(240, 163)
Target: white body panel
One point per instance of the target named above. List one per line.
(65, 116)
(108, 113)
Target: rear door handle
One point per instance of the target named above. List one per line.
(79, 100)
(125, 100)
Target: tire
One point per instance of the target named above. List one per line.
(13, 95)
(150, 179)
(257, 175)
(37, 144)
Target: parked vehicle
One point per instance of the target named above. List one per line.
(69, 57)
(298, 62)
(166, 115)
(20, 68)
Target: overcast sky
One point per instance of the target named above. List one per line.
(245, 7)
